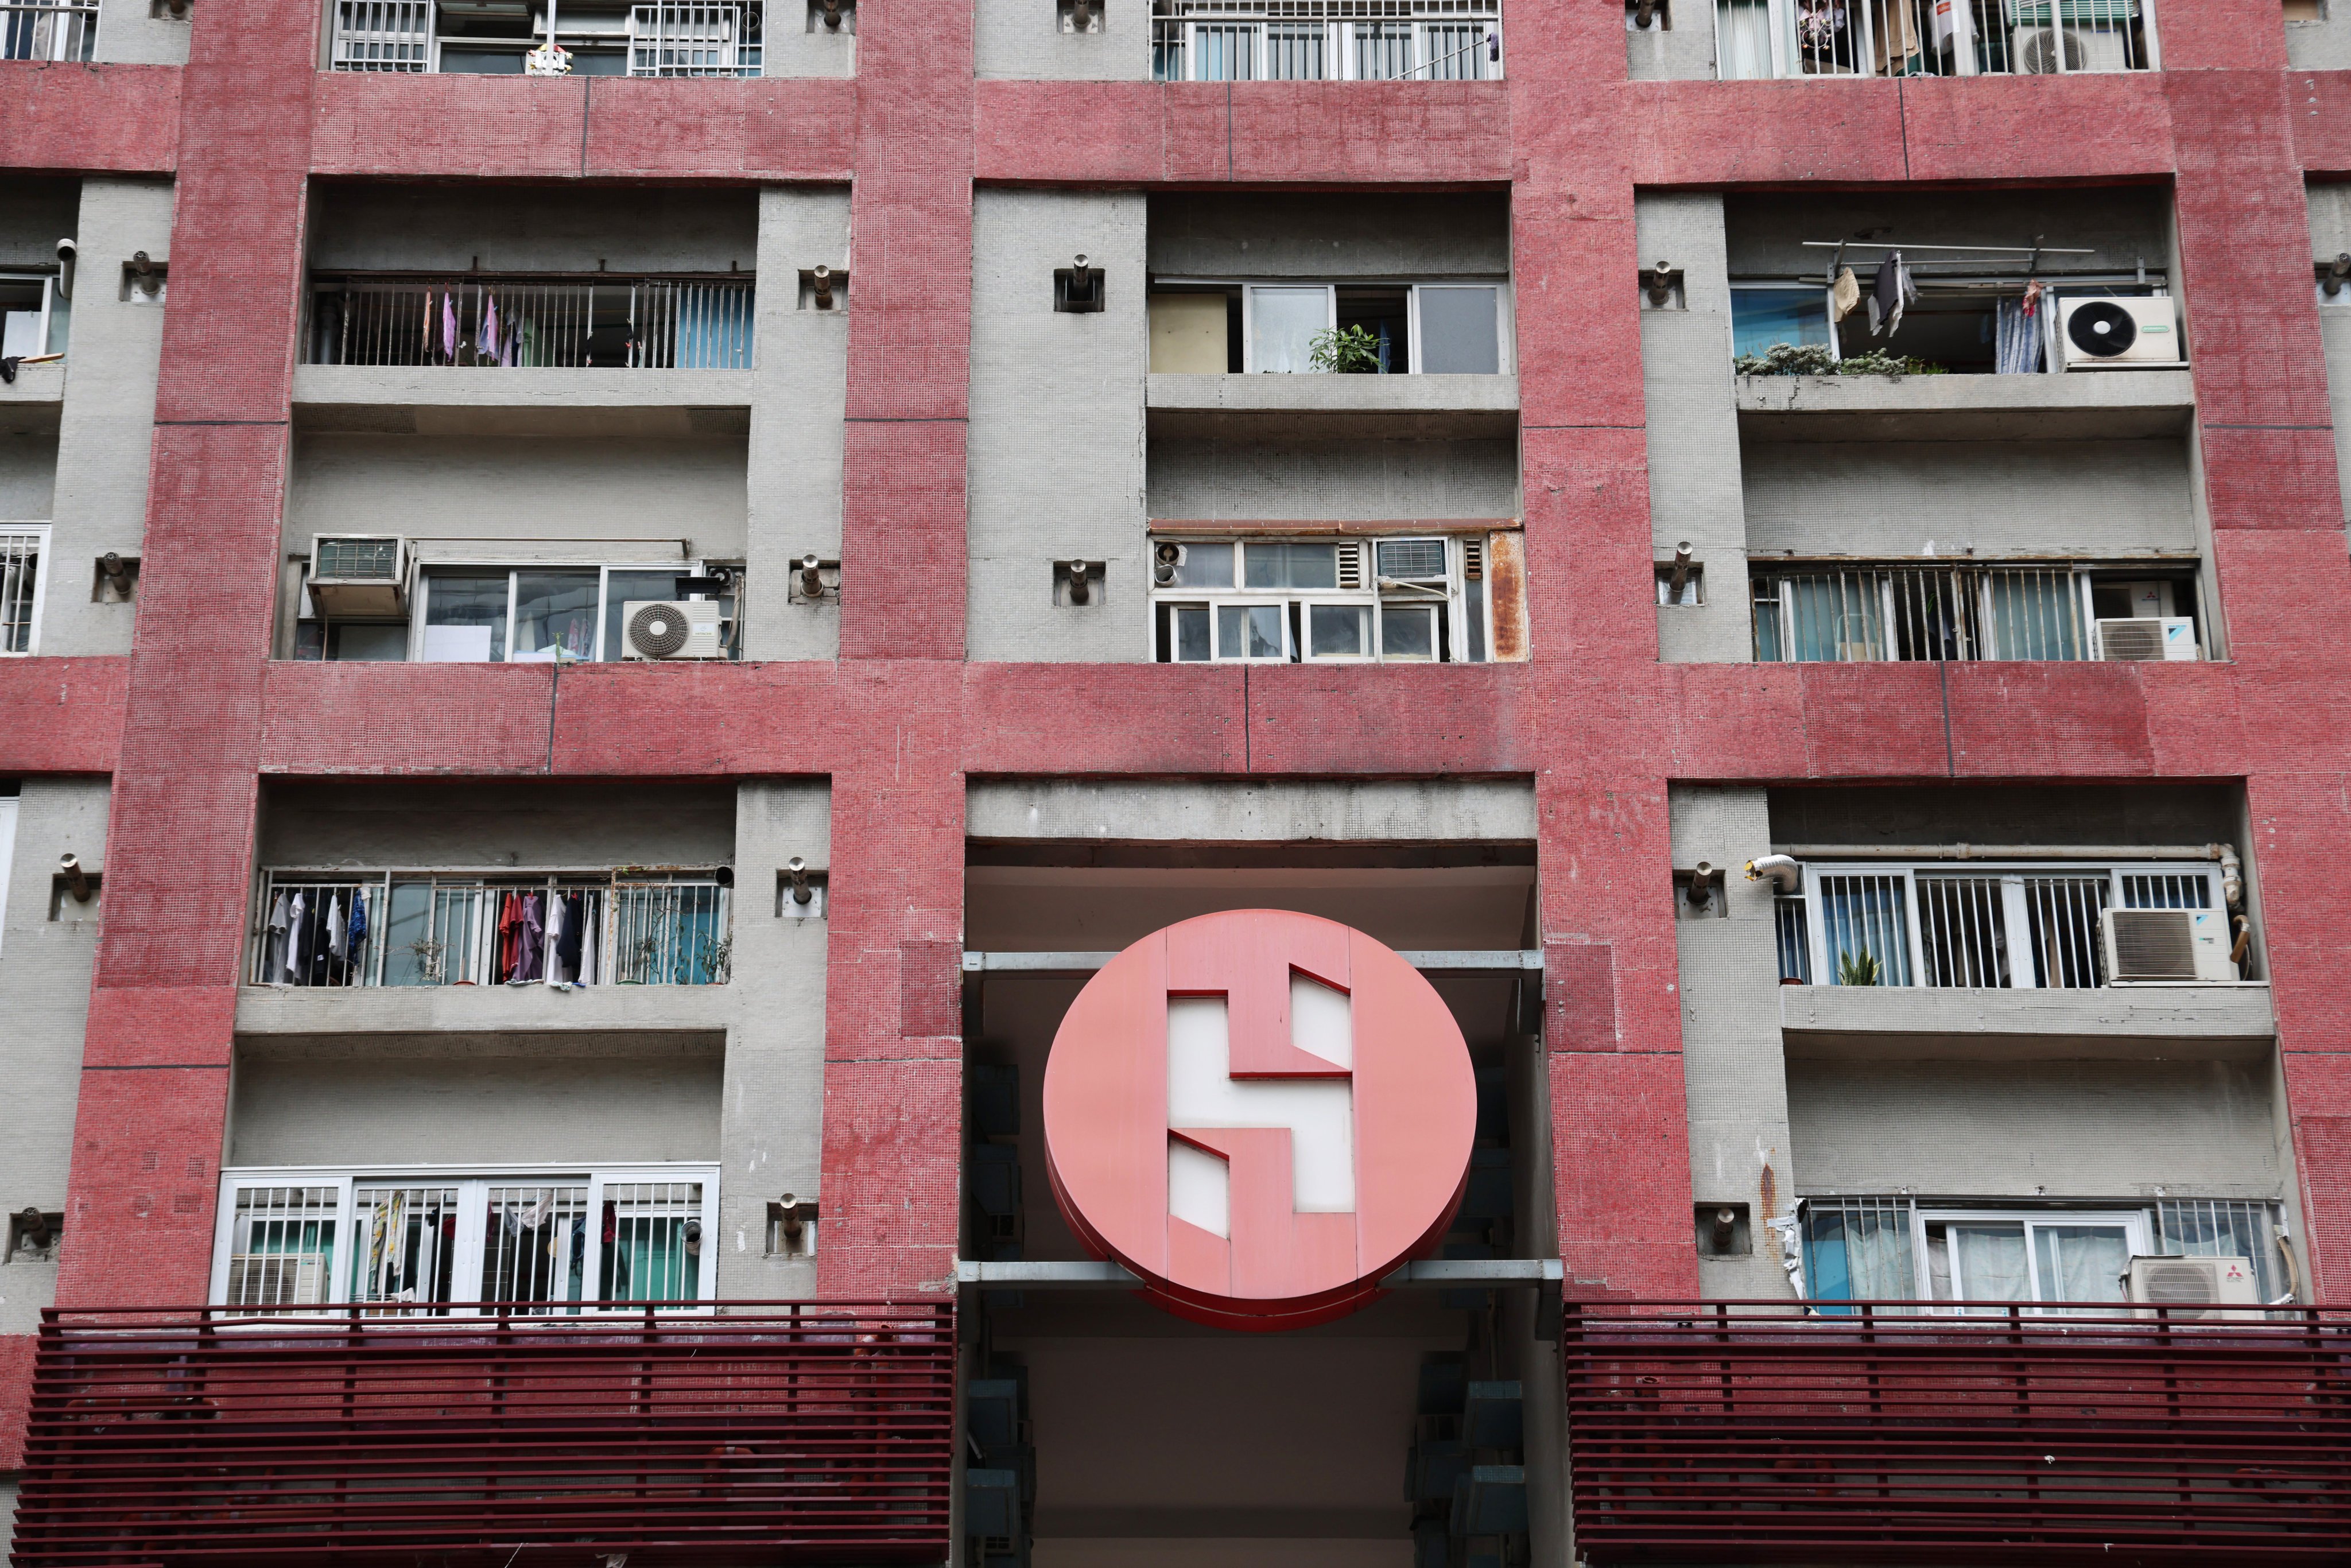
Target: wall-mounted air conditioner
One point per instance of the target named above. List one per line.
(356, 577)
(2144, 944)
(2039, 50)
(2099, 333)
(672, 629)
(2184, 1284)
(2148, 637)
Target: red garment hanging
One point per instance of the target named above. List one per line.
(509, 936)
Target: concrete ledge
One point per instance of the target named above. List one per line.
(1431, 1273)
(1276, 405)
(435, 399)
(35, 399)
(475, 1009)
(2118, 1021)
(2078, 405)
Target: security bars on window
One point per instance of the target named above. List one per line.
(695, 39)
(32, 31)
(1998, 926)
(1325, 40)
(20, 588)
(1857, 615)
(426, 929)
(531, 323)
(1756, 38)
(413, 1244)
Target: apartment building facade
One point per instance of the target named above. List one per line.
(1783, 557)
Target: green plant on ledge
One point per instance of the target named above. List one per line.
(1860, 968)
(1816, 360)
(1345, 350)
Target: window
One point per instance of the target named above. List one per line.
(1758, 38)
(21, 585)
(1905, 1249)
(1413, 601)
(429, 1243)
(604, 37)
(34, 317)
(1972, 315)
(493, 615)
(1446, 329)
(47, 30)
(1325, 40)
(1976, 925)
(1860, 613)
(525, 321)
(558, 928)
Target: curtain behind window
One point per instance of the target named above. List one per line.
(1743, 39)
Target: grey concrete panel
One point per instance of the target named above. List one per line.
(1023, 39)
(2074, 407)
(1679, 47)
(1221, 812)
(1732, 1070)
(361, 398)
(2335, 324)
(2108, 1020)
(772, 1123)
(797, 420)
(45, 971)
(487, 1106)
(34, 401)
(487, 823)
(455, 497)
(273, 1012)
(2122, 226)
(1695, 480)
(28, 473)
(129, 32)
(799, 44)
(1316, 395)
(2323, 46)
(1246, 476)
(2026, 1129)
(1056, 437)
(107, 423)
(527, 228)
(2330, 209)
(1359, 234)
(2094, 499)
(2176, 814)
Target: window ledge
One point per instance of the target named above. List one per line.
(35, 386)
(2110, 1020)
(440, 399)
(2074, 407)
(427, 1010)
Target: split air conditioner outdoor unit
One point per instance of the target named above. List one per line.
(2189, 945)
(356, 577)
(2099, 333)
(2148, 637)
(277, 1280)
(2184, 1284)
(2039, 49)
(672, 629)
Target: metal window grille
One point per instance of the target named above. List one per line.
(383, 36)
(2223, 1227)
(534, 1243)
(406, 1257)
(1450, 52)
(693, 40)
(516, 323)
(1794, 936)
(32, 30)
(652, 1242)
(1918, 37)
(1321, 40)
(1382, 51)
(2063, 916)
(1294, 52)
(1869, 613)
(670, 933)
(1962, 934)
(303, 935)
(1864, 927)
(20, 578)
(282, 1246)
(2167, 890)
(1860, 1248)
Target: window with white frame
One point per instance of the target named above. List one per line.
(1759, 38)
(599, 38)
(1326, 40)
(1415, 599)
(362, 928)
(1450, 328)
(502, 614)
(22, 586)
(431, 1241)
(1902, 1248)
(1982, 925)
(34, 317)
(1838, 611)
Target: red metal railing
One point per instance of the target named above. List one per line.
(1740, 1432)
(761, 1433)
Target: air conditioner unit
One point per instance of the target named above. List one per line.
(672, 629)
(359, 576)
(277, 1280)
(2099, 333)
(2038, 50)
(2184, 1284)
(1413, 566)
(2166, 944)
(2148, 637)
